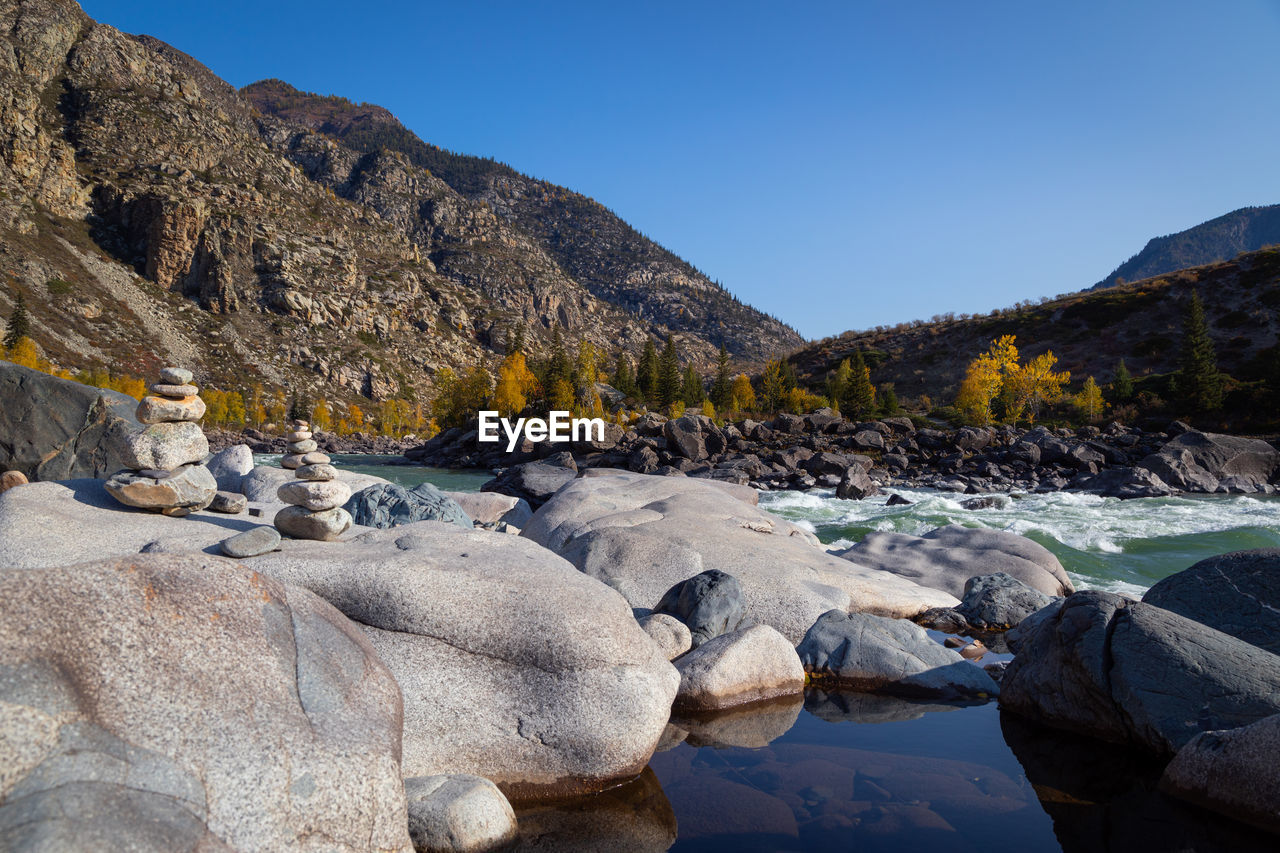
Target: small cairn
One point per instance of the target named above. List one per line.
(166, 458)
(316, 497)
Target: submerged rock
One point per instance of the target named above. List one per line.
(253, 717)
(860, 651)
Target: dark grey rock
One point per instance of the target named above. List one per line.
(1196, 461)
(998, 602)
(55, 429)
(390, 505)
(856, 484)
(897, 500)
(1128, 672)
(536, 482)
(710, 604)
(1237, 594)
(1232, 772)
(876, 654)
(684, 436)
(1125, 483)
(252, 543)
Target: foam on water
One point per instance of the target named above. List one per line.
(1104, 543)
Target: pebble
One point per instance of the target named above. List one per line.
(315, 496)
(229, 503)
(317, 473)
(175, 376)
(252, 542)
(316, 458)
(328, 525)
(176, 391)
(11, 479)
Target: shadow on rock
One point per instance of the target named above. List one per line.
(1103, 797)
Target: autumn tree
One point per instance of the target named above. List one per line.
(1198, 383)
(516, 384)
(984, 379)
(393, 417)
(235, 409)
(215, 406)
(742, 397)
(838, 382)
(320, 415)
(19, 325)
(460, 398)
(355, 418)
(860, 397)
(1033, 385)
(1089, 402)
(772, 392)
(278, 409)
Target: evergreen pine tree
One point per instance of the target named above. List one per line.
(838, 383)
(558, 367)
(517, 345)
(860, 397)
(691, 390)
(622, 378)
(888, 400)
(647, 372)
(722, 388)
(669, 374)
(1122, 384)
(19, 326)
(788, 373)
(1198, 383)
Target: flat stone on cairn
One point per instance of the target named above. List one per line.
(316, 497)
(166, 458)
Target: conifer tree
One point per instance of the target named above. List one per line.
(860, 398)
(838, 383)
(691, 390)
(772, 392)
(19, 326)
(722, 388)
(787, 371)
(558, 367)
(1122, 384)
(1198, 383)
(888, 400)
(623, 379)
(647, 371)
(669, 373)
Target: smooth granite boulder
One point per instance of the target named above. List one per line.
(390, 505)
(488, 508)
(514, 665)
(178, 702)
(458, 813)
(709, 604)
(947, 557)
(1197, 461)
(643, 534)
(1128, 672)
(738, 668)
(229, 466)
(56, 429)
(669, 633)
(166, 446)
(999, 601)
(859, 651)
(1232, 772)
(1238, 594)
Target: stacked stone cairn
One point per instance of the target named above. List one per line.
(316, 497)
(166, 458)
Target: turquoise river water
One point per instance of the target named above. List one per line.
(855, 772)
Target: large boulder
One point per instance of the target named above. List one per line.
(643, 534)
(738, 668)
(684, 436)
(1198, 461)
(709, 604)
(167, 702)
(1124, 483)
(1233, 772)
(536, 482)
(514, 666)
(230, 465)
(859, 651)
(391, 505)
(947, 557)
(1238, 594)
(492, 508)
(55, 429)
(998, 602)
(1128, 672)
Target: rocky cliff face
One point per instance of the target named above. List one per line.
(151, 214)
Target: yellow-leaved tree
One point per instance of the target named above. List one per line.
(320, 415)
(1033, 385)
(516, 384)
(742, 396)
(1089, 402)
(985, 378)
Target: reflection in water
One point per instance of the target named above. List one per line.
(1103, 797)
(632, 818)
(770, 778)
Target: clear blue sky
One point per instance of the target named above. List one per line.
(840, 164)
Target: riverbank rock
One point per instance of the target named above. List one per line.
(1198, 462)
(709, 604)
(229, 466)
(488, 508)
(1128, 672)
(859, 651)
(254, 716)
(514, 666)
(855, 484)
(535, 482)
(947, 557)
(11, 480)
(56, 429)
(669, 633)
(252, 543)
(643, 534)
(997, 602)
(1238, 594)
(390, 505)
(190, 487)
(458, 813)
(1231, 772)
(738, 668)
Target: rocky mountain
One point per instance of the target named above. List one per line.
(1245, 230)
(152, 214)
(1090, 332)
